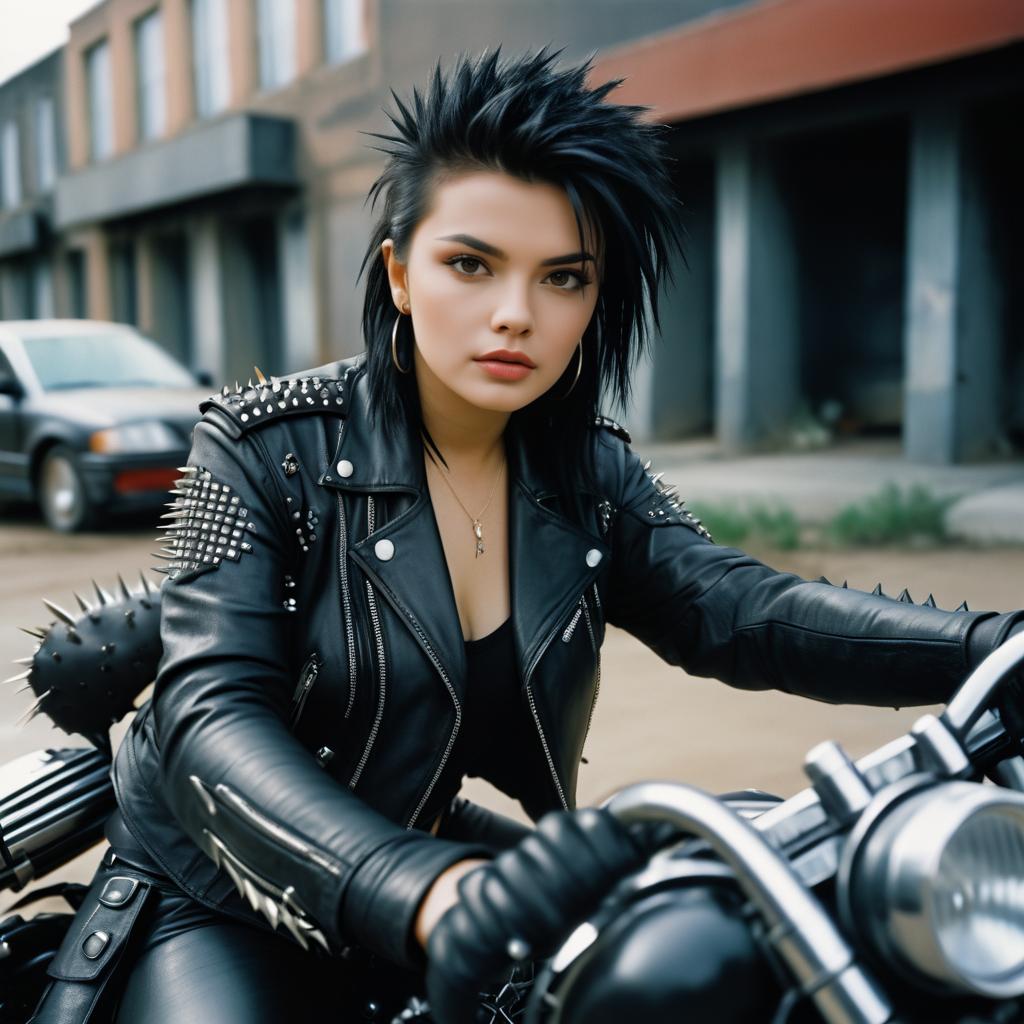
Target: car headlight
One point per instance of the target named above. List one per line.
(147, 436)
(937, 888)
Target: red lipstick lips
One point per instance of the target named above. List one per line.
(501, 364)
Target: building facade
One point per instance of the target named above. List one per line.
(217, 171)
(33, 267)
(847, 171)
(850, 177)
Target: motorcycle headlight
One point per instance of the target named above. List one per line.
(937, 887)
(147, 436)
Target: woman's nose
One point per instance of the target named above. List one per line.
(513, 313)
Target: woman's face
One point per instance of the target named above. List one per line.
(499, 290)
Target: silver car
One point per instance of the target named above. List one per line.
(94, 419)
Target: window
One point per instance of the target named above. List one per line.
(149, 75)
(344, 33)
(276, 33)
(101, 100)
(210, 56)
(10, 164)
(46, 144)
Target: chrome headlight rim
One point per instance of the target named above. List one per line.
(898, 924)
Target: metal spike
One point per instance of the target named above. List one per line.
(160, 568)
(82, 603)
(59, 612)
(73, 635)
(237, 388)
(905, 597)
(34, 709)
(146, 585)
(271, 912)
(124, 587)
(24, 661)
(39, 634)
(877, 592)
(260, 379)
(289, 922)
(23, 689)
(315, 933)
(19, 676)
(225, 391)
(845, 586)
(102, 595)
(249, 384)
(963, 607)
(929, 602)
(167, 558)
(251, 894)
(825, 580)
(234, 875)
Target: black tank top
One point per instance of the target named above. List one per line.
(496, 729)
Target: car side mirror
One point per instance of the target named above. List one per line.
(12, 387)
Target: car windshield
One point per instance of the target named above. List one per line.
(117, 359)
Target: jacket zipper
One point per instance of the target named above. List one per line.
(371, 600)
(571, 628)
(346, 605)
(597, 659)
(307, 679)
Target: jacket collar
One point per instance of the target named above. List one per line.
(551, 560)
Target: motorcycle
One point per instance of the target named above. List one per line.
(890, 889)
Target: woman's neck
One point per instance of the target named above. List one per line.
(465, 434)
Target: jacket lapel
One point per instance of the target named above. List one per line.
(551, 561)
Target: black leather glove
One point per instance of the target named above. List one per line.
(530, 896)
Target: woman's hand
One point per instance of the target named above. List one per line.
(522, 903)
(441, 896)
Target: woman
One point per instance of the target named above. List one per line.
(390, 572)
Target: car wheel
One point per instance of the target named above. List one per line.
(61, 492)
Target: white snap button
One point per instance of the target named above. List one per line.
(384, 550)
(345, 468)
(593, 557)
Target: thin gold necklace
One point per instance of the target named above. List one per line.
(476, 520)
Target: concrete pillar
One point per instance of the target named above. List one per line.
(207, 297)
(97, 275)
(309, 36)
(300, 347)
(76, 108)
(953, 329)
(177, 43)
(242, 50)
(122, 87)
(756, 303)
(144, 277)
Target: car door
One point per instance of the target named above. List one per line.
(14, 477)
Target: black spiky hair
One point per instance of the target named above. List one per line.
(528, 118)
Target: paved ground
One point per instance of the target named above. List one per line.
(816, 485)
(652, 721)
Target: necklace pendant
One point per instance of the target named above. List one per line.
(478, 532)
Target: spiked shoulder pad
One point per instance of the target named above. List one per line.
(616, 428)
(255, 404)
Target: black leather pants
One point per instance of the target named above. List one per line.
(185, 962)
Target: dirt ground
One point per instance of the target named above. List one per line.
(652, 721)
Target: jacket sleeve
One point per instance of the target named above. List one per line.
(718, 612)
(304, 849)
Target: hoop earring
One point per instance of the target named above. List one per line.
(394, 346)
(579, 366)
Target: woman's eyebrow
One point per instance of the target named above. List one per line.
(491, 250)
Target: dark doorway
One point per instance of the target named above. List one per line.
(172, 295)
(252, 284)
(682, 394)
(846, 189)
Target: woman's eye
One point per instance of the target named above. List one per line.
(467, 265)
(567, 280)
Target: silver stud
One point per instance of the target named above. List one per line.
(594, 557)
(384, 550)
(345, 468)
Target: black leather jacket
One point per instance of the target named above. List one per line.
(313, 673)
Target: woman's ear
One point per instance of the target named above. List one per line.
(398, 277)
